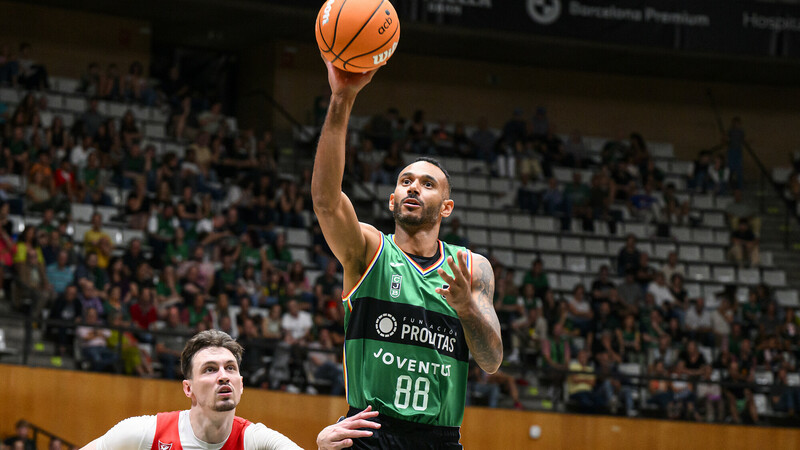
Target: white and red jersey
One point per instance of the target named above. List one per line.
(173, 431)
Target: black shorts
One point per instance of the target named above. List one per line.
(402, 434)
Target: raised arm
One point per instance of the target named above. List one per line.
(471, 297)
(335, 212)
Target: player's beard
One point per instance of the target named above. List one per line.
(429, 215)
(225, 405)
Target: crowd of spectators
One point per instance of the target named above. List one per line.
(214, 253)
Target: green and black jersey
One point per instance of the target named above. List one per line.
(405, 350)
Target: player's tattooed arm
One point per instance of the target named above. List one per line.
(482, 328)
(471, 294)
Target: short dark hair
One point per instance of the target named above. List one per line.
(206, 339)
(436, 163)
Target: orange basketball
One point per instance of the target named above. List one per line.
(357, 35)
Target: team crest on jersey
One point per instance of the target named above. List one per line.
(163, 446)
(397, 281)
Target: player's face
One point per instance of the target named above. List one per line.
(420, 197)
(216, 384)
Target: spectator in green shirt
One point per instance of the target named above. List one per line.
(177, 250)
(279, 253)
(537, 278)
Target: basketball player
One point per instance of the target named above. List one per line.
(210, 361)
(415, 307)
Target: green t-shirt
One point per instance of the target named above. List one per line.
(251, 256)
(180, 253)
(405, 350)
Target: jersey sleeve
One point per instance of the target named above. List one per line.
(135, 433)
(258, 437)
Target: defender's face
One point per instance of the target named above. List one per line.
(421, 195)
(216, 384)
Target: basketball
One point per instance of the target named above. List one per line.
(357, 35)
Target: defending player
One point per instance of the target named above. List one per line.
(415, 307)
(210, 362)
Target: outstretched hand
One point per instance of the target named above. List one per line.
(341, 434)
(345, 83)
(459, 291)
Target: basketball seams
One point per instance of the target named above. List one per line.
(335, 28)
(322, 36)
(345, 63)
(366, 22)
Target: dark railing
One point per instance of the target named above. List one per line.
(37, 431)
(764, 176)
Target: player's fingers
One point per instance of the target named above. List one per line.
(454, 267)
(462, 264)
(343, 444)
(361, 423)
(365, 414)
(445, 276)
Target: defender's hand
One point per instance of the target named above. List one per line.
(341, 434)
(459, 292)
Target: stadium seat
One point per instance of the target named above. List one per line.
(75, 104)
(545, 242)
(551, 262)
(157, 115)
(474, 165)
(298, 237)
(637, 229)
(713, 219)
(478, 236)
(724, 274)
(65, 85)
(107, 212)
(595, 247)
(459, 181)
(54, 101)
(576, 263)
(155, 131)
(79, 229)
(749, 276)
(478, 183)
(506, 257)
(572, 244)
(699, 272)
(9, 95)
(662, 250)
(480, 201)
(693, 290)
(500, 238)
(82, 212)
(775, 278)
(569, 281)
(596, 263)
(128, 235)
(645, 246)
(544, 224)
(524, 241)
(722, 237)
(702, 202)
(762, 404)
(713, 255)
(475, 218)
(524, 260)
(521, 222)
(682, 234)
(722, 201)
(767, 259)
(689, 253)
(793, 379)
(301, 254)
(787, 298)
(703, 236)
